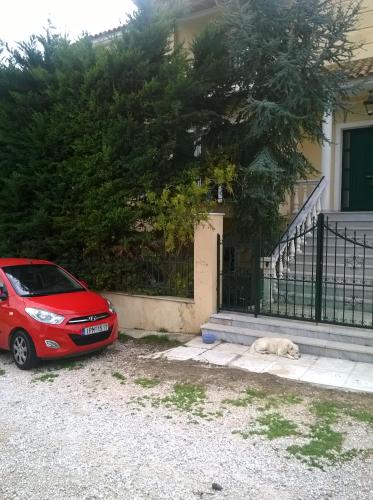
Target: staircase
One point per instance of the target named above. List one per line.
(344, 281)
(355, 344)
(347, 273)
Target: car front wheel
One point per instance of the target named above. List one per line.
(23, 351)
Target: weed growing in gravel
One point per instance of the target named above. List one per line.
(159, 340)
(362, 416)
(251, 394)
(185, 396)
(255, 393)
(285, 400)
(119, 376)
(276, 426)
(324, 448)
(331, 412)
(325, 445)
(2, 372)
(123, 337)
(328, 411)
(248, 396)
(68, 364)
(148, 383)
(46, 377)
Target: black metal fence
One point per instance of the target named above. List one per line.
(166, 275)
(321, 273)
(159, 274)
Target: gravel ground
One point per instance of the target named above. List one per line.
(88, 434)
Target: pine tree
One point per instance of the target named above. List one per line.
(267, 71)
(85, 132)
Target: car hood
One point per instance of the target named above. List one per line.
(75, 303)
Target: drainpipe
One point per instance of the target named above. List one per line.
(326, 158)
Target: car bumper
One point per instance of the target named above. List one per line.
(71, 342)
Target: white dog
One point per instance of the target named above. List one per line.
(271, 345)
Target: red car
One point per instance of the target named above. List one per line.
(46, 313)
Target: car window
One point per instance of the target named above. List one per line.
(32, 280)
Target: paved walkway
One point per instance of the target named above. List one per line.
(329, 372)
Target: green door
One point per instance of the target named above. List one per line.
(357, 177)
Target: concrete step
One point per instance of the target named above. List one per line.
(349, 216)
(352, 317)
(330, 290)
(340, 259)
(340, 278)
(274, 325)
(330, 267)
(307, 344)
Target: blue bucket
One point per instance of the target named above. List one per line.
(208, 338)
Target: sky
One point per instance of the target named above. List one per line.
(21, 18)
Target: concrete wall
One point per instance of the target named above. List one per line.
(172, 313)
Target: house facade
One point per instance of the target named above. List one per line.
(315, 285)
(347, 162)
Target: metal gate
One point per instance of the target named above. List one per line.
(322, 273)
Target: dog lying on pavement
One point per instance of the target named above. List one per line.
(278, 346)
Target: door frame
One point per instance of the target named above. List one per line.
(339, 129)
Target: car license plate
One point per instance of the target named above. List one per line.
(89, 330)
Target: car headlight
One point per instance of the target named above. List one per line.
(44, 316)
(111, 307)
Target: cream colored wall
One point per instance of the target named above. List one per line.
(154, 313)
(189, 27)
(363, 34)
(312, 152)
(171, 313)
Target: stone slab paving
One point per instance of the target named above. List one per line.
(330, 372)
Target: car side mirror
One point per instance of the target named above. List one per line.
(3, 292)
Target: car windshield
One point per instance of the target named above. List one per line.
(40, 279)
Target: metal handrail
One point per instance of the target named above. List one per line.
(300, 217)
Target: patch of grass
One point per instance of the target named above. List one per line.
(328, 411)
(46, 377)
(250, 394)
(273, 402)
(361, 415)
(147, 382)
(123, 337)
(255, 393)
(119, 376)
(68, 364)
(185, 396)
(323, 448)
(275, 426)
(2, 372)
(159, 340)
(239, 402)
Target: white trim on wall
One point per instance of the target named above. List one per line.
(339, 129)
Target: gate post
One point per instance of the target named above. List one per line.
(218, 272)
(206, 274)
(319, 267)
(257, 277)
